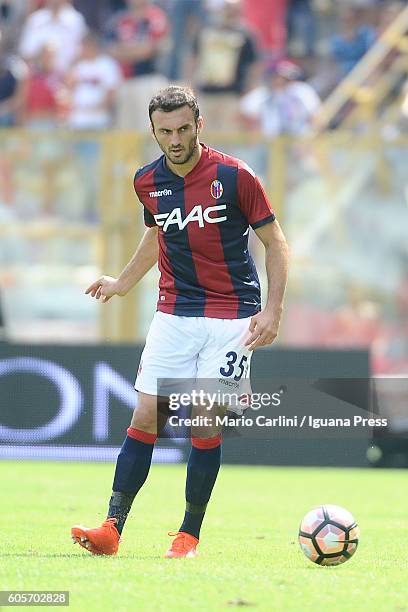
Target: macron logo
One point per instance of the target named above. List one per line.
(162, 192)
(196, 214)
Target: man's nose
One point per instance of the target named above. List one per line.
(175, 139)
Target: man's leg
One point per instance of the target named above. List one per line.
(135, 457)
(132, 468)
(223, 359)
(172, 345)
(202, 471)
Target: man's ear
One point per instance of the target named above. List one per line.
(200, 124)
(153, 135)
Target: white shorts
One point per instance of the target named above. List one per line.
(183, 350)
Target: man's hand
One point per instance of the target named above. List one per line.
(263, 329)
(142, 261)
(105, 287)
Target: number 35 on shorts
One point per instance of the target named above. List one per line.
(233, 367)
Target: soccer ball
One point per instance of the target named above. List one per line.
(328, 535)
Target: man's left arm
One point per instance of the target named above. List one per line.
(265, 324)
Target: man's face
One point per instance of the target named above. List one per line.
(89, 48)
(278, 82)
(56, 4)
(232, 12)
(177, 133)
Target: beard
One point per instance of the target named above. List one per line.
(184, 154)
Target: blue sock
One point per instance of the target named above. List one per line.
(202, 470)
(132, 468)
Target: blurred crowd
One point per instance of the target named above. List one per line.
(263, 65)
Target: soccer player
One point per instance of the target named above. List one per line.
(198, 205)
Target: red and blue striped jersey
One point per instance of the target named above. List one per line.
(203, 224)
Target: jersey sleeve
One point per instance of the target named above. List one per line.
(148, 216)
(252, 199)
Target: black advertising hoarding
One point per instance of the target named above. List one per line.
(69, 402)
(75, 403)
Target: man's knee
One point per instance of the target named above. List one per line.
(150, 414)
(209, 421)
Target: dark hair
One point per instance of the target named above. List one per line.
(174, 97)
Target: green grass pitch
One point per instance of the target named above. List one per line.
(249, 555)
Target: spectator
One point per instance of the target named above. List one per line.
(92, 83)
(96, 13)
(13, 75)
(136, 37)
(283, 105)
(41, 105)
(351, 42)
(12, 13)
(301, 24)
(187, 16)
(225, 66)
(267, 19)
(58, 24)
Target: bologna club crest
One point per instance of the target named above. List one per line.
(216, 189)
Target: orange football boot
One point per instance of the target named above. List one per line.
(103, 540)
(184, 545)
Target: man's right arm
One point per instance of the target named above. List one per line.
(142, 261)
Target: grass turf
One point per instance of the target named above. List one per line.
(249, 553)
